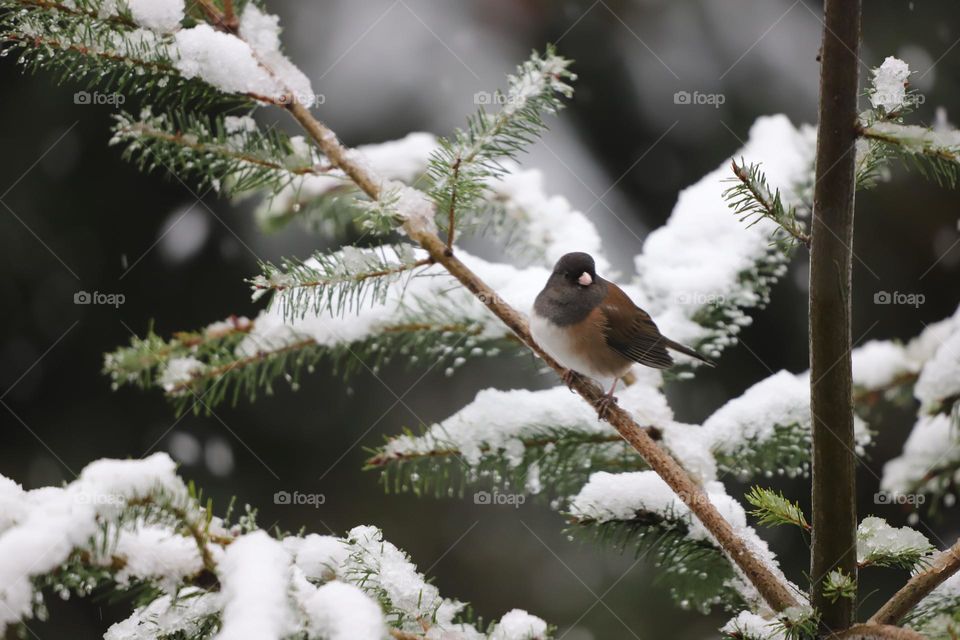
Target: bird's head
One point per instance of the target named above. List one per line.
(576, 270)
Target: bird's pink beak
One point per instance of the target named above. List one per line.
(585, 279)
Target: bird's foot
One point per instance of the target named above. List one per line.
(604, 406)
(569, 377)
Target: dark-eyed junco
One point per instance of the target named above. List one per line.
(591, 326)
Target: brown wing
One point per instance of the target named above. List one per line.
(631, 332)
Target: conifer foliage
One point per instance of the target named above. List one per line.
(203, 75)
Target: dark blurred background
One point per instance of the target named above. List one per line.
(78, 217)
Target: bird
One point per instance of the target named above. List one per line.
(591, 327)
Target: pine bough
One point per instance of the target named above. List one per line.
(202, 74)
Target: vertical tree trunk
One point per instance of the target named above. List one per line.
(834, 496)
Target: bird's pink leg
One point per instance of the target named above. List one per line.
(607, 401)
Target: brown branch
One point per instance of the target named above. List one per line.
(834, 508)
(771, 587)
(878, 632)
(942, 566)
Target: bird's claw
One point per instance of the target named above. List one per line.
(604, 406)
(568, 377)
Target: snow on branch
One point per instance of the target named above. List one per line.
(638, 508)
(767, 429)
(880, 545)
(526, 442)
(337, 282)
(929, 461)
(103, 39)
(230, 153)
(702, 270)
(132, 526)
(933, 151)
(462, 168)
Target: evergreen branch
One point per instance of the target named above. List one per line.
(695, 572)
(773, 509)
(462, 167)
(345, 280)
(750, 197)
(109, 52)
(879, 632)
(880, 545)
(229, 153)
(199, 370)
(422, 230)
(839, 585)
(941, 567)
(553, 464)
(935, 155)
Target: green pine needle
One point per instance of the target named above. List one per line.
(773, 509)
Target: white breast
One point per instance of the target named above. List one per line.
(553, 339)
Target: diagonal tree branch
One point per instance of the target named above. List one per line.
(878, 632)
(943, 565)
(771, 587)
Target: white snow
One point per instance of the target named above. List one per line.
(519, 625)
(879, 363)
(751, 625)
(403, 160)
(255, 573)
(167, 615)
(261, 31)
(620, 496)
(413, 206)
(60, 520)
(700, 254)
(163, 16)
(932, 444)
(876, 538)
(889, 84)
(549, 222)
(340, 611)
(319, 557)
(497, 418)
(250, 64)
(178, 371)
(940, 378)
(155, 552)
(406, 588)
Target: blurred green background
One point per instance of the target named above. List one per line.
(76, 217)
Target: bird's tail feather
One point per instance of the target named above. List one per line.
(676, 346)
